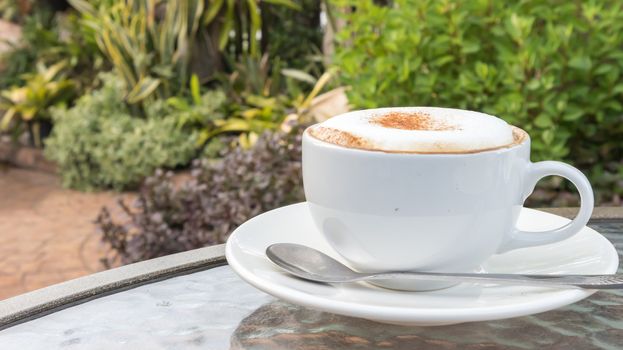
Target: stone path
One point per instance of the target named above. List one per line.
(47, 233)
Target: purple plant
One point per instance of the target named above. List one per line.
(220, 195)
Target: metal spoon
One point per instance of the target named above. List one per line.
(313, 265)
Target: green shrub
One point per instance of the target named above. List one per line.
(220, 195)
(99, 144)
(554, 68)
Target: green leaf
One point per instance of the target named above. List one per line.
(571, 115)
(213, 9)
(443, 60)
(51, 72)
(256, 23)
(260, 101)
(605, 69)
(16, 95)
(298, 75)
(29, 113)
(227, 25)
(470, 47)
(236, 124)
(143, 88)
(543, 121)
(287, 3)
(252, 113)
(548, 136)
(195, 89)
(322, 81)
(83, 6)
(196, 19)
(204, 136)
(533, 84)
(6, 118)
(482, 70)
(580, 62)
(404, 71)
(178, 103)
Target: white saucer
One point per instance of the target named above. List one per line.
(588, 252)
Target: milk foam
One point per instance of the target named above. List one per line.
(438, 130)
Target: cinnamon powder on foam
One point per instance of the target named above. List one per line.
(339, 137)
(411, 121)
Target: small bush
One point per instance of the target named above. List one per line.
(554, 68)
(98, 143)
(221, 195)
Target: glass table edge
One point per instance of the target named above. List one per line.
(25, 307)
(41, 302)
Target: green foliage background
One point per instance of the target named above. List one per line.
(553, 68)
(43, 43)
(99, 144)
(293, 36)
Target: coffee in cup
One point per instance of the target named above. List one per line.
(417, 130)
(425, 188)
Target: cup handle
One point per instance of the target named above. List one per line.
(535, 172)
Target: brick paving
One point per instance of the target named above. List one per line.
(47, 233)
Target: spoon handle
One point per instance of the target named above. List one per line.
(566, 281)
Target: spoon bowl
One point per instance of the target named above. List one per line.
(310, 264)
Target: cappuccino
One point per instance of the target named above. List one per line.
(417, 130)
(430, 199)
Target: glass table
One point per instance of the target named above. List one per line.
(193, 300)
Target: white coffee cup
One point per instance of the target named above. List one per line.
(386, 211)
